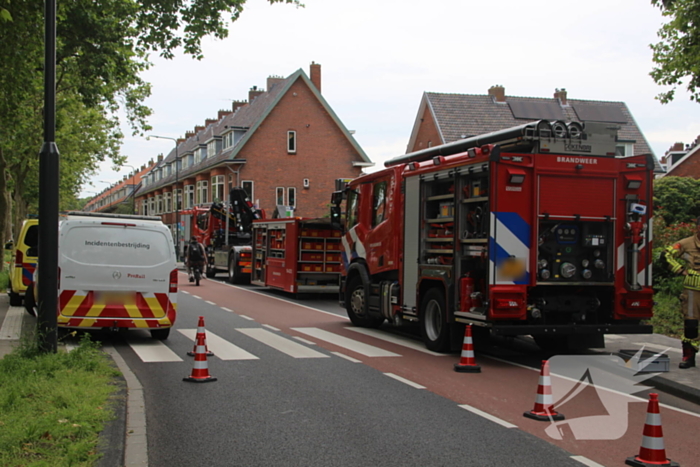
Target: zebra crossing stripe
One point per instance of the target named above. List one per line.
(394, 339)
(286, 346)
(151, 350)
(222, 348)
(349, 344)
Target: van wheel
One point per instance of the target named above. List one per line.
(15, 299)
(29, 303)
(160, 334)
(433, 321)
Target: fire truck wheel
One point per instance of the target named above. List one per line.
(357, 307)
(160, 334)
(433, 320)
(234, 276)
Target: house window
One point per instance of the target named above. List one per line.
(211, 148)
(159, 204)
(178, 203)
(168, 202)
(292, 142)
(202, 192)
(144, 207)
(189, 196)
(624, 149)
(152, 206)
(291, 196)
(249, 189)
(279, 197)
(217, 189)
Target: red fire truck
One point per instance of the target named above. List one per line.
(535, 230)
(232, 252)
(297, 255)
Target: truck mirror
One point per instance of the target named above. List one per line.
(336, 198)
(335, 216)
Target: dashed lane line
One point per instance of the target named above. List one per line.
(487, 416)
(405, 381)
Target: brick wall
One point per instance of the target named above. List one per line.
(427, 132)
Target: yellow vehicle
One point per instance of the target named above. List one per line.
(23, 262)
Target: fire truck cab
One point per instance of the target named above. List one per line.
(535, 230)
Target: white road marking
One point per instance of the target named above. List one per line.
(184, 291)
(488, 416)
(663, 348)
(405, 381)
(394, 339)
(305, 341)
(282, 344)
(350, 344)
(222, 348)
(12, 325)
(226, 309)
(154, 351)
(209, 302)
(586, 461)
(346, 357)
(197, 296)
(271, 328)
(246, 317)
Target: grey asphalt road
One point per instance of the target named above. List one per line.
(279, 410)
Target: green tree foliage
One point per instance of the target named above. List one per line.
(102, 48)
(677, 199)
(677, 54)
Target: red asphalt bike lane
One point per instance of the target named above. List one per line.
(502, 389)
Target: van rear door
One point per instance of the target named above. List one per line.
(115, 269)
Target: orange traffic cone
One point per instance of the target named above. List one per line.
(544, 405)
(652, 452)
(200, 370)
(467, 362)
(200, 332)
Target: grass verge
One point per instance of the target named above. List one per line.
(53, 406)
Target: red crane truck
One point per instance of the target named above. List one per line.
(534, 230)
(230, 252)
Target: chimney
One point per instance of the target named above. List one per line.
(497, 93)
(561, 95)
(150, 163)
(160, 157)
(143, 167)
(223, 113)
(189, 134)
(237, 105)
(197, 129)
(315, 71)
(273, 81)
(209, 121)
(253, 93)
(677, 147)
(182, 140)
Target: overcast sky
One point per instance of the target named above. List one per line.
(379, 56)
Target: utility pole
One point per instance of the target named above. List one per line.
(48, 194)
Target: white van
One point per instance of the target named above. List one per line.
(116, 271)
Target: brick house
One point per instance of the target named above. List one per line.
(285, 146)
(443, 118)
(120, 193)
(682, 160)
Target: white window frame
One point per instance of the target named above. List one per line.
(144, 207)
(189, 196)
(251, 195)
(291, 142)
(167, 201)
(152, 205)
(279, 197)
(177, 200)
(159, 204)
(218, 188)
(291, 197)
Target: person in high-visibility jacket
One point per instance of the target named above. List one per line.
(683, 257)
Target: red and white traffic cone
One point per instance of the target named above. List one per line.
(200, 370)
(467, 362)
(652, 453)
(544, 405)
(203, 333)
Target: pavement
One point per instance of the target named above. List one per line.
(124, 441)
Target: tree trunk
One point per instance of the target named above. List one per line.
(4, 207)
